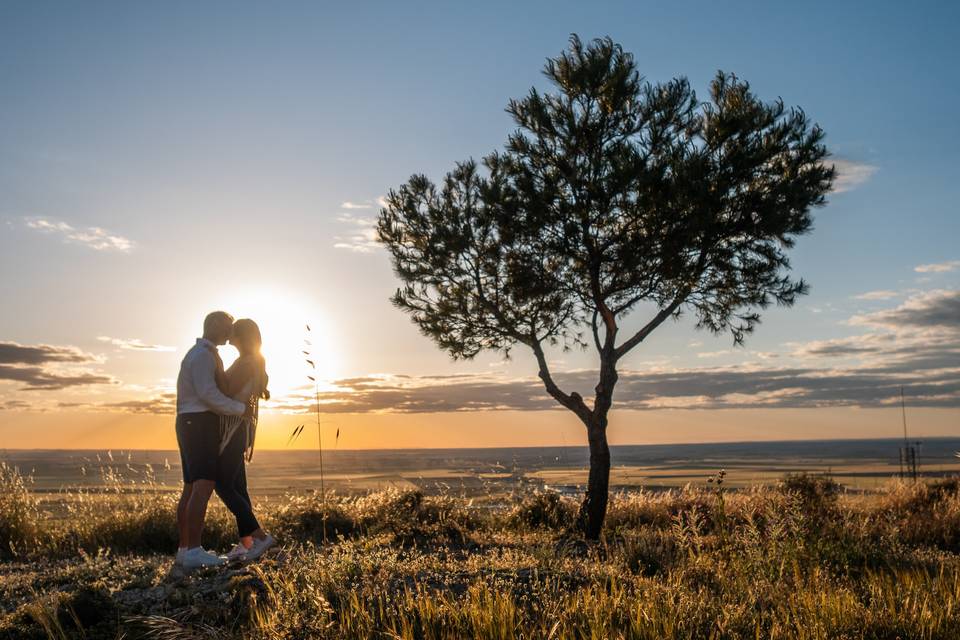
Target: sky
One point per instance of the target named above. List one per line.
(161, 160)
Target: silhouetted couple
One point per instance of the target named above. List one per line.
(216, 426)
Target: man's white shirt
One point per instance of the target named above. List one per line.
(197, 383)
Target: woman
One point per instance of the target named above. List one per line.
(246, 381)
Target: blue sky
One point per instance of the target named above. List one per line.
(157, 159)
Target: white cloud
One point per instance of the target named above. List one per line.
(359, 243)
(714, 354)
(362, 240)
(350, 205)
(93, 237)
(882, 294)
(366, 204)
(133, 344)
(348, 218)
(938, 267)
(851, 175)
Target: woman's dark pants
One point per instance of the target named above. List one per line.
(232, 484)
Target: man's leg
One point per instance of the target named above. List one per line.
(182, 443)
(200, 440)
(197, 510)
(182, 515)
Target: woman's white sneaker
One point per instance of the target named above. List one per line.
(198, 557)
(237, 553)
(259, 547)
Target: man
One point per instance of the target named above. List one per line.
(200, 403)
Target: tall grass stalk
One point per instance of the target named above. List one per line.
(316, 394)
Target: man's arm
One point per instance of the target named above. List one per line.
(203, 370)
(222, 379)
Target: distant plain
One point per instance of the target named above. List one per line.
(858, 465)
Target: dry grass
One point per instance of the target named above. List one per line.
(801, 561)
(19, 513)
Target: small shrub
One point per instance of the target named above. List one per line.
(640, 510)
(813, 490)
(922, 515)
(650, 552)
(921, 497)
(546, 510)
(413, 519)
(307, 519)
(816, 495)
(389, 510)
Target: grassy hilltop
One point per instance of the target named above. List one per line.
(803, 560)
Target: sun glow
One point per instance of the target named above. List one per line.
(283, 318)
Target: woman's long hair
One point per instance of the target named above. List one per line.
(247, 332)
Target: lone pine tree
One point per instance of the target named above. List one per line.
(614, 195)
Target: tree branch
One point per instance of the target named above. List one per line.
(596, 334)
(668, 311)
(658, 319)
(572, 401)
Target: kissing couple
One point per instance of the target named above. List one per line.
(216, 426)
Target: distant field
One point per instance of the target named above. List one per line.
(859, 465)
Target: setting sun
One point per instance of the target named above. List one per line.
(283, 318)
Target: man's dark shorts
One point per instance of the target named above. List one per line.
(198, 435)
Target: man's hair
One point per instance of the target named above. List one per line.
(215, 319)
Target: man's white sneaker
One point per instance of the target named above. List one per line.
(178, 559)
(198, 557)
(237, 553)
(260, 547)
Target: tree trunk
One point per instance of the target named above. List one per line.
(593, 510)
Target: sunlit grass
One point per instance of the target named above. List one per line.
(799, 561)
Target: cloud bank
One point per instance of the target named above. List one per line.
(95, 238)
(14, 353)
(915, 345)
(47, 367)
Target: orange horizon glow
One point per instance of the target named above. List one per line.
(484, 429)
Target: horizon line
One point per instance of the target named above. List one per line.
(546, 446)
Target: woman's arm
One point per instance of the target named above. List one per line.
(237, 376)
